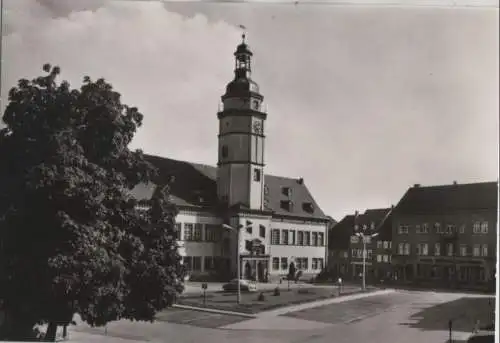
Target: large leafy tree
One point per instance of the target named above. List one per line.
(72, 237)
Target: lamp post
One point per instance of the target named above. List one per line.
(238, 230)
(364, 237)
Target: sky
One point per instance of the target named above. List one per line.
(362, 101)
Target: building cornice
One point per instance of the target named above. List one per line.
(241, 113)
(240, 162)
(246, 133)
(299, 219)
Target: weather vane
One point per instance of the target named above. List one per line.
(243, 35)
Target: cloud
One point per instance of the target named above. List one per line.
(160, 61)
(362, 102)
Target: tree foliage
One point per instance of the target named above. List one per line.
(72, 238)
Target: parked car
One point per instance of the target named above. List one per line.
(482, 337)
(245, 286)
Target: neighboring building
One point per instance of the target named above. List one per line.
(345, 249)
(446, 235)
(338, 247)
(284, 224)
(382, 254)
(369, 223)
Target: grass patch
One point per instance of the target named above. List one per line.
(252, 303)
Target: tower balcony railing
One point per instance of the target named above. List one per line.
(262, 108)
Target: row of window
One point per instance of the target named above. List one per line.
(193, 232)
(422, 249)
(193, 263)
(358, 253)
(384, 244)
(301, 263)
(307, 238)
(384, 258)
(339, 254)
(477, 228)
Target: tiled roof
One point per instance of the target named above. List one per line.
(194, 184)
(340, 234)
(449, 198)
(385, 229)
(372, 216)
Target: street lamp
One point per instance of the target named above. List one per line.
(364, 238)
(238, 230)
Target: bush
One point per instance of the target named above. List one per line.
(261, 297)
(277, 291)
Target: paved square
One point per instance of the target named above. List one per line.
(353, 310)
(197, 318)
(400, 316)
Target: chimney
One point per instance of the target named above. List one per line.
(416, 185)
(300, 181)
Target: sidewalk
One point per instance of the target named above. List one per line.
(211, 310)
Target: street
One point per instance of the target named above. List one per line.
(394, 316)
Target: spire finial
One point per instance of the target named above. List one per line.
(243, 35)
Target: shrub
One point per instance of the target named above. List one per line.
(261, 297)
(277, 291)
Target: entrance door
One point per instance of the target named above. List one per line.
(248, 271)
(260, 272)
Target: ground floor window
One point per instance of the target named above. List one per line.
(196, 263)
(276, 263)
(192, 263)
(317, 263)
(302, 263)
(209, 263)
(187, 261)
(284, 263)
(482, 275)
(462, 273)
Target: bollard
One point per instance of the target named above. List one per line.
(450, 326)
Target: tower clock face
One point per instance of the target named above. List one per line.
(257, 127)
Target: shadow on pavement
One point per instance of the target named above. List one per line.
(464, 313)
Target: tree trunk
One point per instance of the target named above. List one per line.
(50, 336)
(65, 331)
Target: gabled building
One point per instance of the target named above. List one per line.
(345, 248)
(338, 247)
(370, 223)
(446, 235)
(281, 222)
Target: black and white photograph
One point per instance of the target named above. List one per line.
(249, 171)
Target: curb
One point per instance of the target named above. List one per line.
(211, 310)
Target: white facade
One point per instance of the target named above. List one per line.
(275, 206)
(307, 255)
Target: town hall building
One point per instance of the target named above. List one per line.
(278, 220)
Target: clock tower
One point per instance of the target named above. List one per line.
(240, 172)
